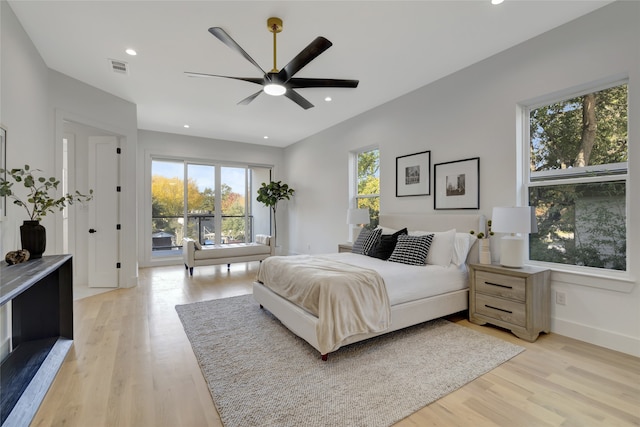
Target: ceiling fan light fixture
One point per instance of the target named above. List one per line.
(274, 89)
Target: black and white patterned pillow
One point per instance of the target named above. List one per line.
(365, 241)
(412, 250)
(386, 244)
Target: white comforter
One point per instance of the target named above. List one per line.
(347, 299)
(406, 283)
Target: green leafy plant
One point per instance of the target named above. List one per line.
(38, 201)
(270, 194)
(482, 235)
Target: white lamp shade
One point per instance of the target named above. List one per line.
(513, 220)
(519, 219)
(358, 216)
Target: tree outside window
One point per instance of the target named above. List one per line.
(578, 178)
(368, 184)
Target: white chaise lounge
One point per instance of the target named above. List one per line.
(195, 254)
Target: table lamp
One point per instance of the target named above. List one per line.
(358, 216)
(517, 221)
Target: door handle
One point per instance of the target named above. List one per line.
(92, 230)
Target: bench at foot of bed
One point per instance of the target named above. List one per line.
(196, 255)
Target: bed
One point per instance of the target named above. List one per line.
(401, 302)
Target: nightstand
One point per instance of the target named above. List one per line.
(517, 299)
(345, 247)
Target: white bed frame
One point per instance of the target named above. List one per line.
(303, 324)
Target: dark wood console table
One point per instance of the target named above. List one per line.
(41, 296)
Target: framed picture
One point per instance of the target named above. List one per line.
(457, 184)
(413, 174)
(3, 165)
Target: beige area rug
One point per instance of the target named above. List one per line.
(260, 374)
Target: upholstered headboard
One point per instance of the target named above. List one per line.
(462, 224)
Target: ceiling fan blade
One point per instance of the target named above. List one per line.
(298, 99)
(256, 80)
(308, 54)
(225, 38)
(248, 99)
(298, 82)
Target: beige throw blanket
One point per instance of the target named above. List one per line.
(348, 300)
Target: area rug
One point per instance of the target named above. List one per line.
(261, 374)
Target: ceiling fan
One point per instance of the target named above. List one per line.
(281, 82)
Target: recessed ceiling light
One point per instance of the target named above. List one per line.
(328, 99)
(131, 52)
(496, 1)
(265, 137)
(187, 126)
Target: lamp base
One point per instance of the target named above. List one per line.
(512, 251)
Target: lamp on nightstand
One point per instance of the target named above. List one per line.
(516, 221)
(358, 216)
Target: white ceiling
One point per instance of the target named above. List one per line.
(392, 47)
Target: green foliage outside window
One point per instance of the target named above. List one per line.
(369, 185)
(584, 139)
(167, 207)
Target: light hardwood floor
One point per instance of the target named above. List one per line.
(132, 365)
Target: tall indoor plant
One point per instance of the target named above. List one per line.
(37, 203)
(270, 194)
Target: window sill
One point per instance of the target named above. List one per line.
(609, 280)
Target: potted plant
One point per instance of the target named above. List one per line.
(484, 244)
(37, 203)
(270, 194)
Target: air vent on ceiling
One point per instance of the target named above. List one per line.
(119, 66)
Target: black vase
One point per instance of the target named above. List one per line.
(34, 238)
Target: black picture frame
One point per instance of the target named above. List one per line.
(413, 174)
(457, 184)
(3, 165)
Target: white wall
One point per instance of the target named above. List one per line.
(23, 113)
(473, 113)
(35, 103)
(72, 100)
(160, 144)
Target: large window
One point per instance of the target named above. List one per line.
(366, 185)
(210, 199)
(577, 179)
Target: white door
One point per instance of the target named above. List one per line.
(103, 219)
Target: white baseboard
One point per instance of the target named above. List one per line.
(600, 337)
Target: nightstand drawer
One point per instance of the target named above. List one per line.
(497, 308)
(501, 285)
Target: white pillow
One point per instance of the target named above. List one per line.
(441, 250)
(463, 243)
(263, 239)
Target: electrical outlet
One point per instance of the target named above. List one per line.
(561, 298)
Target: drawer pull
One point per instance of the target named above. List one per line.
(499, 309)
(499, 285)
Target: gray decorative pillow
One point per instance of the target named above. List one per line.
(366, 240)
(412, 250)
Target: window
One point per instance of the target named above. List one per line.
(186, 193)
(577, 179)
(366, 185)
